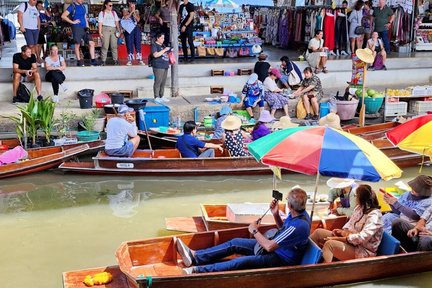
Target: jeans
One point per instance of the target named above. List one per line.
(384, 37)
(189, 36)
(207, 153)
(235, 246)
(159, 82)
(133, 39)
(56, 77)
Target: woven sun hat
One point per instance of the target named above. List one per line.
(284, 122)
(422, 184)
(262, 56)
(123, 109)
(252, 78)
(231, 122)
(365, 55)
(339, 182)
(331, 120)
(265, 117)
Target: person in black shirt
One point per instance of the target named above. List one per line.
(186, 20)
(24, 65)
(262, 67)
(160, 64)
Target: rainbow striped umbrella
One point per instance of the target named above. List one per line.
(414, 135)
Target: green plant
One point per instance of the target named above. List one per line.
(89, 119)
(30, 116)
(46, 115)
(63, 123)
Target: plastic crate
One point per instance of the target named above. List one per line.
(419, 91)
(420, 107)
(396, 108)
(155, 115)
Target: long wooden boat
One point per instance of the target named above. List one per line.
(155, 263)
(217, 217)
(93, 145)
(157, 140)
(41, 159)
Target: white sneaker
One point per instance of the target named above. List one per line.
(141, 63)
(159, 100)
(64, 87)
(344, 53)
(332, 53)
(337, 52)
(164, 99)
(55, 99)
(129, 63)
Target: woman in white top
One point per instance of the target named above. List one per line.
(316, 54)
(375, 44)
(55, 65)
(355, 20)
(108, 28)
(273, 94)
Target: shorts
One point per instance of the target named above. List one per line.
(79, 34)
(126, 151)
(247, 104)
(31, 36)
(41, 38)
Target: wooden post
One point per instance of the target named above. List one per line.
(174, 34)
(363, 108)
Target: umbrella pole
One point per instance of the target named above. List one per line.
(274, 181)
(314, 195)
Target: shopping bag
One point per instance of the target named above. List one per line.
(300, 110)
(201, 51)
(210, 51)
(219, 51)
(293, 78)
(172, 58)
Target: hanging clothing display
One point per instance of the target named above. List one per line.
(341, 32)
(329, 30)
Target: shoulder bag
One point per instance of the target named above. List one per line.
(201, 51)
(359, 30)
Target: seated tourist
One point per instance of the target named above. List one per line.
(25, 68)
(122, 138)
(190, 147)
(262, 67)
(311, 92)
(253, 94)
(273, 94)
(286, 247)
(418, 237)
(331, 120)
(290, 68)
(344, 189)
(284, 123)
(233, 136)
(376, 45)
(360, 236)
(410, 205)
(55, 64)
(261, 129)
(316, 54)
(223, 113)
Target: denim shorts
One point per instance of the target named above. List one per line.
(31, 36)
(126, 151)
(79, 34)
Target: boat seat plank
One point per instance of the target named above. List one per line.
(167, 153)
(75, 279)
(185, 224)
(157, 269)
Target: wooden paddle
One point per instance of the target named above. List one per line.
(363, 108)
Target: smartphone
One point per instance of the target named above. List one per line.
(277, 195)
(385, 193)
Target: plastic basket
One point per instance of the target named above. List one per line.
(396, 108)
(346, 109)
(372, 104)
(420, 107)
(87, 136)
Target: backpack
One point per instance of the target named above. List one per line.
(23, 93)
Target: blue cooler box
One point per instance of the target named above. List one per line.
(155, 115)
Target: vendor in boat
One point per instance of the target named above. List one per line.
(122, 138)
(260, 128)
(410, 205)
(233, 137)
(344, 189)
(285, 248)
(223, 113)
(360, 236)
(190, 147)
(418, 237)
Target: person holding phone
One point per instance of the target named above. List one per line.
(160, 65)
(285, 248)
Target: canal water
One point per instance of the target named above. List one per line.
(51, 222)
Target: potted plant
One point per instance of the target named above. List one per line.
(46, 114)
(88, 122)
(63, 126)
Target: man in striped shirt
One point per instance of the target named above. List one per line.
(285, 248)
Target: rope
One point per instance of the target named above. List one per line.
(149, 281)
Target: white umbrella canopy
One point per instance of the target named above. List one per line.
(222, 3)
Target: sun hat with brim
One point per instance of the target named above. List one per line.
(276, 72)
(252, 78)
(365, 55)
(231, 122)
(262, 56)
(422, 184)
(122, 109)
(339, 182)
(225, 110)
(265, 117)
(284, 122)
(330, 120)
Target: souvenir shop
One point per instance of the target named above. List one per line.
(293, 25)
(423, 27)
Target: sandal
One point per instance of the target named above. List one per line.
(325, 70)
(317, 71)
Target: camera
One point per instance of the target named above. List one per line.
(277, 195)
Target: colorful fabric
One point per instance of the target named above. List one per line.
(234, 143)
(13, 155)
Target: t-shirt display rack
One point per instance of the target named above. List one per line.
(423, 35)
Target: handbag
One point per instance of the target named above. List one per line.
(293, 78)
(219, 51)
(359, 30)
(210, 51)
(172, 58)
(300, 110)
(231, 52)
(244, 51)
(256, 49)
(201, 51)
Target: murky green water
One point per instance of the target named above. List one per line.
(52, 223)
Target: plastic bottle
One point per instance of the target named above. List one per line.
(178, 122)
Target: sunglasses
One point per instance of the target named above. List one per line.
(109, 5)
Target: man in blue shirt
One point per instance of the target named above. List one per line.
(190, 147)
(76, 15)
(286, 247)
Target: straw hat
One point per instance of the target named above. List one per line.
(231, 122)
(422, 184)
(365, 55)
(262, 56)
(339, 182)
(265, 117)
(284, 122)
(331, 120)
